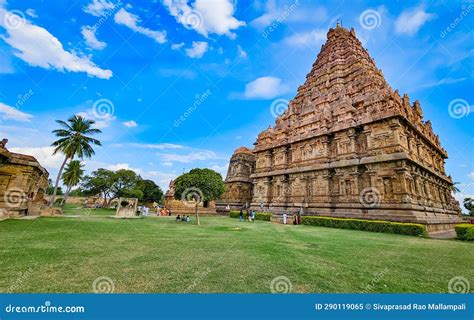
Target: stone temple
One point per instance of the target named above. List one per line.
(23, 183)
(346, 146)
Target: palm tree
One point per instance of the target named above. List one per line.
(73, 141)
(72, 176)
(454, 187)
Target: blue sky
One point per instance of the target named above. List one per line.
(181, 84)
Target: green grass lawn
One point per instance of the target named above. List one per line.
(222, 255)
(74, 209)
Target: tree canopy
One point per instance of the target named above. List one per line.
(121, 183)
(199, 185)
(205, 184)
(469, 205)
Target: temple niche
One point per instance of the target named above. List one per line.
(23, 183)
(347, 146)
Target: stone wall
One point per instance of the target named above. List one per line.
(23, 183)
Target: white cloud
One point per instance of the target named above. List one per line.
(131, 21)
(265, 88)
(471, 175)
(37, 47)
(10, 113)
(160, 146)
(167, 164)
(123, 166)
(177, 46)
(101, 121)
(410, 21)
(44, 155)
(130, 124)
(91, 40)
(241, 52)
(197, 50)
(186, 158)
(31, 13)
(205, 16)
(99, 7)
(162, 178)
(313, 38)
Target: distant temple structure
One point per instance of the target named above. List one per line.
(346, 146)
(23, 183)
(178, 206)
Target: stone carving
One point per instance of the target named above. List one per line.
(23, 183)
(347, 131)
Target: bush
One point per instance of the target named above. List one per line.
(465, 231)
(262, 216)
(367, 225)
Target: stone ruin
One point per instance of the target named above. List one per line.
(126, 208)
(347, 146)
(23, 184)
(177, 206)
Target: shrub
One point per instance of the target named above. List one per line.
(367, 225)
(465, 231)
(263, 216)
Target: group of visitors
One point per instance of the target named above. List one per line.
(296, 218)
(249, 215)
(183, 218)
(143, 211)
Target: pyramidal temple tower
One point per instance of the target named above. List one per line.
(348, 146)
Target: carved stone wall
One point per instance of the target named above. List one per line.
(23, 183)
(239, 186)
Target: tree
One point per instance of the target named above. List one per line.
(73, 141)
(111, 185)
(128, 184)
(199, 185)
(469, 205)
(78, 192)
(50, 189)
(99, 182)
(454, 188)
(72, 177)
(151, 191)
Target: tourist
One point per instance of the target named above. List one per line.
(188, 219)
(247, 215)
(241, 215)
(253, 215)
(183, 218)
(145, 209)
(178, 218)
(169, 212)
(284, 217)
